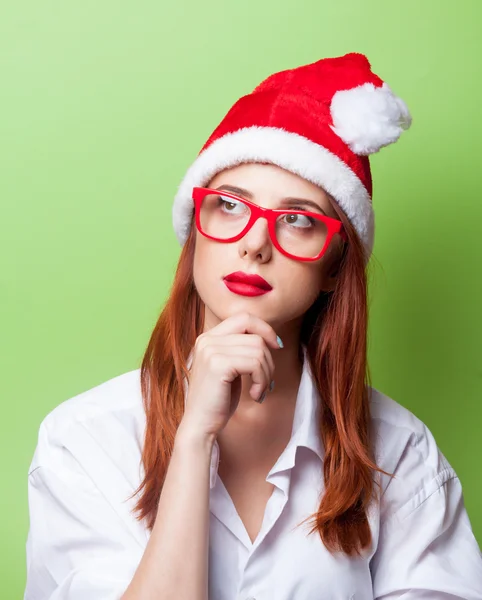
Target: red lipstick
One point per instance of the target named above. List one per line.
(246, 284)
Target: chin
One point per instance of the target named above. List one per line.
(219, 310)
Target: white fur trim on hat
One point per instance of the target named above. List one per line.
(367, 117)
(289, 151)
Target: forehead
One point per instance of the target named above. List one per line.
(256, 174)
(268, 184)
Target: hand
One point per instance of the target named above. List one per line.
(239, 345)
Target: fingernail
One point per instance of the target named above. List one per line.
(280, 343)
(262, 397)
(271, 386)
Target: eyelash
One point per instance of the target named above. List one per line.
(303, 208)
(298, 208)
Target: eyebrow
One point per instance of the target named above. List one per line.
(284, 201)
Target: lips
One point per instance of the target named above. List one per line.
(246, 278)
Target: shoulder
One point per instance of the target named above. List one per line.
(117, 399)
(395, 427)
(100, 425)
(87, 463)
(405, 447)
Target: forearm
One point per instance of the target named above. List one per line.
(175, 562)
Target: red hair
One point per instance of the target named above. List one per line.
(334, 330)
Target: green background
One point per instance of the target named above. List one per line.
(104, 105)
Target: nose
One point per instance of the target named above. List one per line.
(257, 240)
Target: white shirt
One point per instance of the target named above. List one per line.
(85, 544)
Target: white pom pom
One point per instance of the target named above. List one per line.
(367, 117)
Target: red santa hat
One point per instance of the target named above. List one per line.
(320, 121)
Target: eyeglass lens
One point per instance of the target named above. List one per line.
(222, 217)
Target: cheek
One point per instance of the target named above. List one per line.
(299, 287)
(298, 276)
(207, 265)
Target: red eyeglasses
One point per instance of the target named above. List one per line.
(298, 234)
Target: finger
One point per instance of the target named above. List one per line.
(237, 365)
(247, 323)
(251, 351)
(250, 340)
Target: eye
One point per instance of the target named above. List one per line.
(299, 221)
(229, 205)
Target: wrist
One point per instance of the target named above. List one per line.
(188, 435)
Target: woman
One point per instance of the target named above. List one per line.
(248, 458)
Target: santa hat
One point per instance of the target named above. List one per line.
(320, 121)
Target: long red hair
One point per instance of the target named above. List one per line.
(334, 330)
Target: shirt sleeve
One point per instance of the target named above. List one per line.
(77, 545)
(427, 549)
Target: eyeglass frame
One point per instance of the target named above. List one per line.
(334, 225)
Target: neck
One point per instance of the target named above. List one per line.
(287, 376)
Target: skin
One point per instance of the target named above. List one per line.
(296, 284)
(256, 434)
